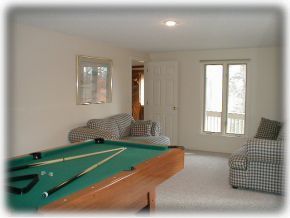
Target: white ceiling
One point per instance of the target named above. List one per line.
(141, 29)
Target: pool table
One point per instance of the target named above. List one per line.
(125, 182)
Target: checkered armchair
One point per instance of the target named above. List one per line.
(258, 165)
(120, 127)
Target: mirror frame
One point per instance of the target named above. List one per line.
(90, 61)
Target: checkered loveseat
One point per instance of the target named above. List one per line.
(258, 165)
(120, 127)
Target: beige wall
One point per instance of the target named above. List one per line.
(264, 97)
(43, 87)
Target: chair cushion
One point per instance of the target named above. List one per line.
(238, 159)
(108, 125)
(141, 128)
(268, 129)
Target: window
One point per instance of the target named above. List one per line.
(225, 98)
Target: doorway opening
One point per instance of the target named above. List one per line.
(138, 89)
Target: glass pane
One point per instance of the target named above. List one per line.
(94, 85)
(236, 98)
(101, 84)
(213, 98)
(86, 89)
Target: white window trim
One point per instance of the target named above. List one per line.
(225, 64)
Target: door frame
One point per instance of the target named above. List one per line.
(142, 60)
(176, 105)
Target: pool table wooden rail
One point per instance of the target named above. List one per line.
(126, 191)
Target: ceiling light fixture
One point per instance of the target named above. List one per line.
(170, 23)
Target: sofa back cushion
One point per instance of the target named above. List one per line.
(268, 129)
(108, 124)
(141, 128)
(281, 135)
(124, 123)
(155, 129)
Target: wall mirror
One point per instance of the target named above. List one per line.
(94, 80)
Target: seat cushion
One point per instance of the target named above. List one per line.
(268, 129)
(238, 159)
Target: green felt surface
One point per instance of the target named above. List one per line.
(132, 156)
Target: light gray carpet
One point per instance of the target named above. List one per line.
(203, 186)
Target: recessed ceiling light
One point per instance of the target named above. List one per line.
(170, 23)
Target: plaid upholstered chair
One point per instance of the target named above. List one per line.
(258, 165)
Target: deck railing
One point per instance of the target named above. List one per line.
(212, 121)
(235, 122)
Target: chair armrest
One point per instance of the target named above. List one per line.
(85, 133)
(265, 150)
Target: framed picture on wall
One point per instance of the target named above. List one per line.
(94, 80)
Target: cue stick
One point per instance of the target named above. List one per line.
(61, 159)
(56, 188)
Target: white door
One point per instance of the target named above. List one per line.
(161, 96)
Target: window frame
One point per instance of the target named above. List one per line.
(225, 91)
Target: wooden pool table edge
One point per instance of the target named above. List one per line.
(127, 190)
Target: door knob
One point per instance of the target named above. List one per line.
(174, 108)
